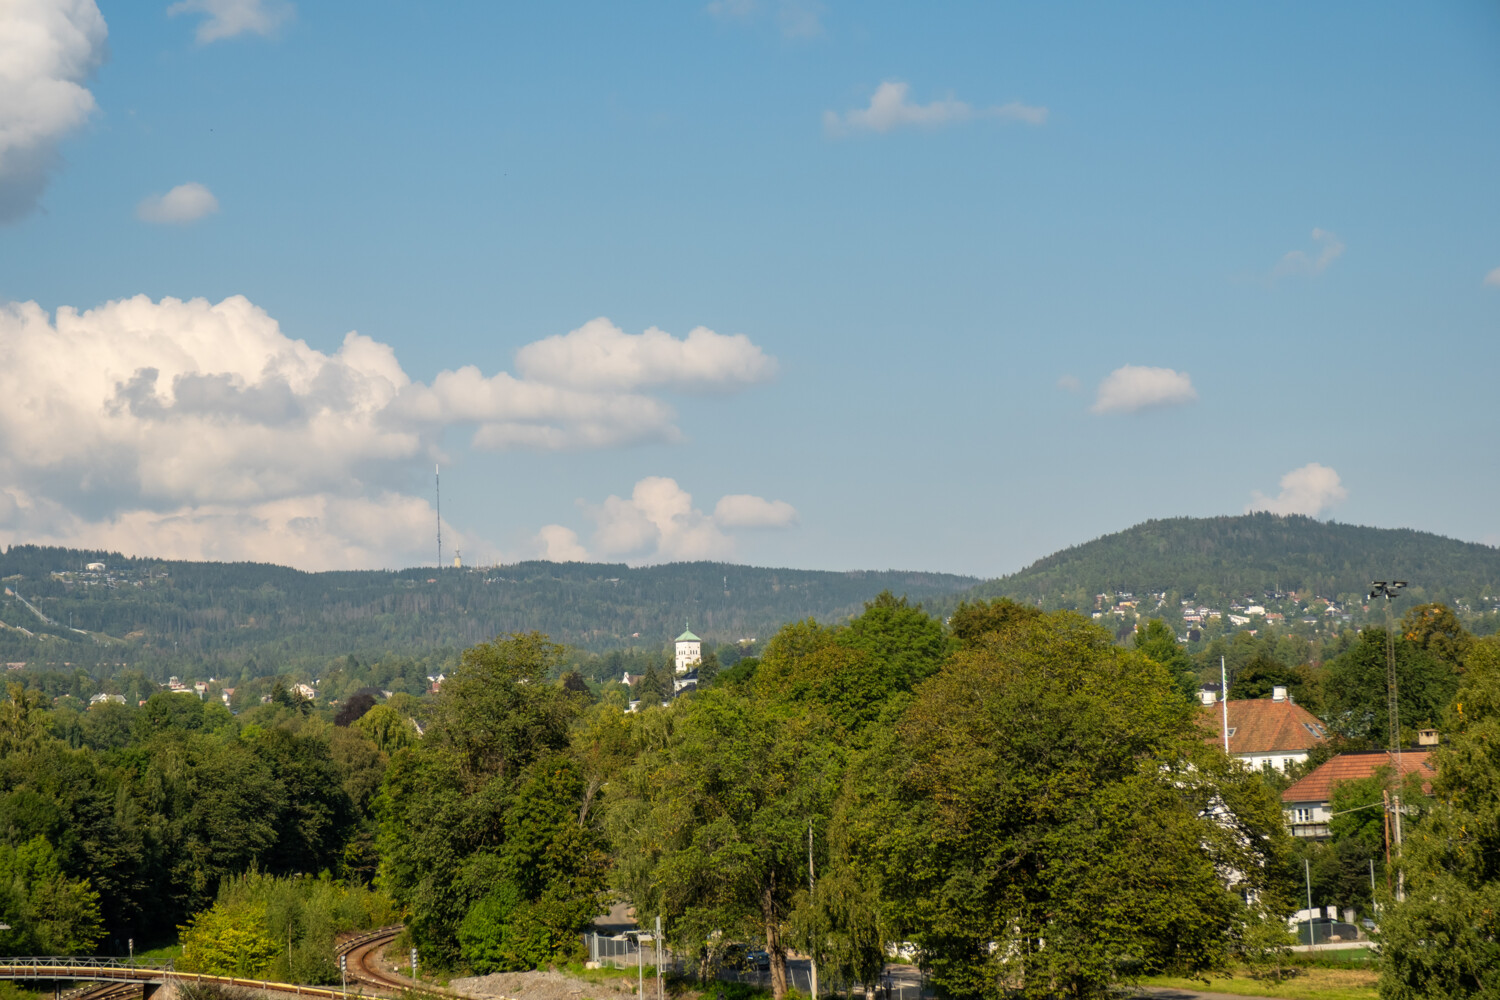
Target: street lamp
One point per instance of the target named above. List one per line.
(1388, 590)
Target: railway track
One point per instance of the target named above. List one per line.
(362, 957)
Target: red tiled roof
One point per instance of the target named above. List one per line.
(1263, 725)
(1318, 786)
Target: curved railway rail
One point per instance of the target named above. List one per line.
(361, 955)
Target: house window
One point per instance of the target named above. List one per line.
(1301, 815)
(1232, 730)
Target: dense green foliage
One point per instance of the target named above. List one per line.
(1444, 940)
(122, 820)
(484, 838)
(279, 928)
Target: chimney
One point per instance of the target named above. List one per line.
(1207, 697)
(1427, 738)
(1278, 694)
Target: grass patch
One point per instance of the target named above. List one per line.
(1311, 983)
(159, 956)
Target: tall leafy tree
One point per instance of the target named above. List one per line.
(483, 835)
(1443, 941)
(1355, 683)
(711, 823)
(1046, 818)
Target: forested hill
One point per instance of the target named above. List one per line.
(1223, 558)
(139, 609)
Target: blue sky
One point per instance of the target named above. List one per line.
(983, 280)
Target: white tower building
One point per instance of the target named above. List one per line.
(689, 652)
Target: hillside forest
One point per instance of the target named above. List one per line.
(987, 786)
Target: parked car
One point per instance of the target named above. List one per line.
(758, 959)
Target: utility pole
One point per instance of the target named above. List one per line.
(1224, 699)
(659, 994)
(1312, 928)
(812, 952)
(1388, 590)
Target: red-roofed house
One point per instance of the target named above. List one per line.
(1274, 731)
(1306, 802)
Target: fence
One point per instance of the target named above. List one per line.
(627, 953)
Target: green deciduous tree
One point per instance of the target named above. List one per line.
(711, 822)
(1355, 683)
(48, 913)
(1047, 818)
(1443, 941)
(483, 828)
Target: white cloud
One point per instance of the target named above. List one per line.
(1493, 278)
(184, 203)
(658, 523)
(1069, 383)
(317, 531)
(228, 18)
(1132, 388)
(890, 108)
(1295, 262)
(599, 355)
(1309, 490)
(559, 544)
(741, 510)
(178, 420)
(797, 19)
(48, 48)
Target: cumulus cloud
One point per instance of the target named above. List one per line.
(228, 18)
(184, 203)
(1493, 278)
(1132, 388)
(48, 48)
(178, 420)
(797, 19)
(890, 108)
(599, 355)
(1069, 383)
(741, 510)
(1309, 490)
(1295, 262)
(658, 523)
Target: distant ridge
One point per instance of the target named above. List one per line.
(1219, 558)
(225, 613)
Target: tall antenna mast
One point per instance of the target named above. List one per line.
(437, 489)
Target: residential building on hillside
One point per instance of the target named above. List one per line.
(1263, 732)
(1306, 802)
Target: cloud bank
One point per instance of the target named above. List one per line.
(198, 430)
(229, 18)
(184, 203)
(1309, 490)
(1300, 262)
(48, 48)
(890, 108)
(1493, 278)
(658, 523)
(1132, 388)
